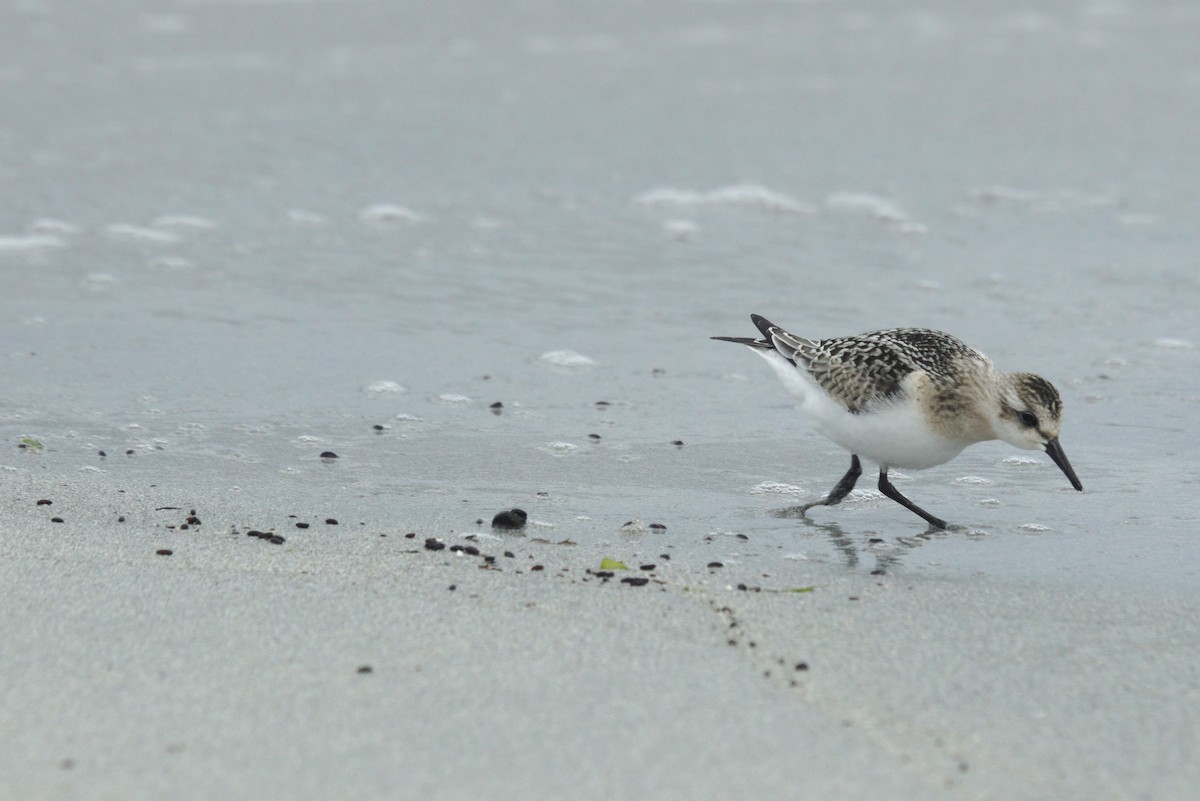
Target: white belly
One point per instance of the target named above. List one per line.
(894, 435)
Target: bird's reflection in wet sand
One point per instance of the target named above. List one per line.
(886, 557)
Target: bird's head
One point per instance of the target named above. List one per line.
(1029, 417)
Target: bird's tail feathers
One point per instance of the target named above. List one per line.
(753, 343)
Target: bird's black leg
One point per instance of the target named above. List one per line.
(887, 489)
(842, 489)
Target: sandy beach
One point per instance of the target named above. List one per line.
(295, 296)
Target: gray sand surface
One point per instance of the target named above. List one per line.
(236, 234)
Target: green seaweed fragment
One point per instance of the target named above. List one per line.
(31, 443)
(612, 564)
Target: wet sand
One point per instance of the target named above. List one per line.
(476, 251)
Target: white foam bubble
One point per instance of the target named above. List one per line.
(776, 488)
(752, 196)
(862, 203)
(390, 214)
(25, 244)
(864, 495)
(174, 263)
(999, 193)
(1034, 528)
(51, 225)
(559, 448)
(1171, 343)
(453, 397)
(568, 359)
(1020, 461)
(139, 233)
(384, 387)
(973, 481)
(680, 229)
(183, 221)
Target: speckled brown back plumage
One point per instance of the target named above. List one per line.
(860, 370)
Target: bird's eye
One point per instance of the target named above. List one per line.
(1028, 419)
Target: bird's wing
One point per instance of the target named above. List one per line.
(864, 370)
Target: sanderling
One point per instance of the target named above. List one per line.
(909, 397)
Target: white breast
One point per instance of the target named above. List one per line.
(895, 434)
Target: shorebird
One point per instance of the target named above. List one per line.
(909, 397)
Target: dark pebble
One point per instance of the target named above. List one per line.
(742, 587)
(329, 455)
(509, 555)
(432, 544)
(491, 560)
(121, 519)
(513, 518)
(164, 552)
(715, 564)
(666, 556)
(635, 582)
(329, 521)
(377, 427)
(537, 567)
(302, 525)
(678, 443)
(44, 502)
(410, 535)
(801, 666)
(603, 403)
(604, 574)
(658, 527)
(129, 452)
(193, 520)
(742, 537)
(452, 587)
(102, 453)
(183, 527)
(497, 405)
(647, 567)
(56, 520)
(594, 437)
(366, 669)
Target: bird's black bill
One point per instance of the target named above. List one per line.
(1056, 453)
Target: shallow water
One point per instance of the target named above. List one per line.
(226, 223)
